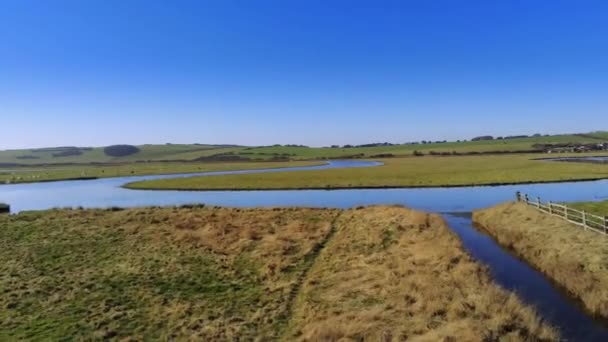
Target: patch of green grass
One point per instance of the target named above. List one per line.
(29, 174)
(401, 172)
(152, 274)
(596, 208)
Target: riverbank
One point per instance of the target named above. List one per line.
(394, 273)
(53, 173)
(421, 172)
(572, 257)
(216, 273)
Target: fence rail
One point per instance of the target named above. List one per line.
(598, 224)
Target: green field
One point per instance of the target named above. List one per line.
(401, 172)
(597, 208)
(181, 152)
(29, 174)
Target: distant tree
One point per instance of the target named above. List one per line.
(120, 150)
(418, 153)
(483, 137)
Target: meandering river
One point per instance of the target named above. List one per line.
(456, 205)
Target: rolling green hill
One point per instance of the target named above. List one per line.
(183, 152)
(83, 155)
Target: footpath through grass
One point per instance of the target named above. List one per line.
(401, 172)
(30, 174)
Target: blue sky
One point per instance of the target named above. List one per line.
(312, 72)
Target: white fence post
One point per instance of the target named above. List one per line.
(538, 202)
(550, 207)
(585, 220)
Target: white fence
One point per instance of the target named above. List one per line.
(581, 218)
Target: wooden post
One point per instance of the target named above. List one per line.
(605, 225)
(538, 202)
(527, 199)
(550, 207)
(585, 220)
(518, 196)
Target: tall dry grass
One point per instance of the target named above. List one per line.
(574, 258)
(391, 274)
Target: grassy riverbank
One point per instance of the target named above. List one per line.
(220, 274)
(401, 172)
(30, 174)
(574, 258)
(393, 274)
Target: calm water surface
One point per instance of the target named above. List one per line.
(455, 203)
(597, 159)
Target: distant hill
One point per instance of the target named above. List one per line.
(201, 152)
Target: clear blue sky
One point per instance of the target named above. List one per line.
(100, 72)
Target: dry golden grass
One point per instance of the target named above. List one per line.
(574, 258)
(172, 273)
(391, 273)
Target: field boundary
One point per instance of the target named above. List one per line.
(582, 218)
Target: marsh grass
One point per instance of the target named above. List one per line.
(574, 258)
(216, 274)
(400, 172)
(391, 273)
(31, 174)
(210, 273)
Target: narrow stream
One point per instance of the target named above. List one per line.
(532, 286)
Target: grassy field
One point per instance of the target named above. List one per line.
(522, 144)
(597, 208)
(196, 273)
(28, 174)
(401, 172)
(160, 274)
(181, 152)
(572, 257)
